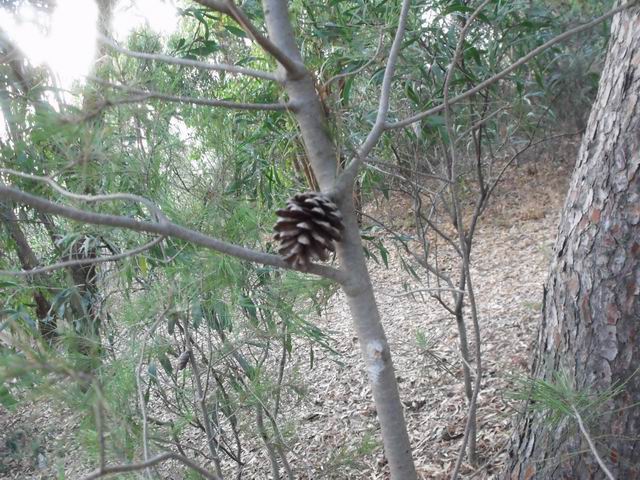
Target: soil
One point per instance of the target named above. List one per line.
(336, 429)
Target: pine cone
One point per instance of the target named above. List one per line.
(183, 360)
(307, 228)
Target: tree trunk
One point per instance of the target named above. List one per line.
(47, 323)
(364, 310)
(591, 310)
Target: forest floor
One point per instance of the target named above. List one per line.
(336, 429)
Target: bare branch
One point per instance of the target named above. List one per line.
(482, 121)
(167, 229)
(141, 400)
(510, 68)
(422, 290)
(139, 383)
(202, 400)
(217, 5)
(421, 261)
(294, 69)
(84, 261)
(348, 176)
(471, 424)
(211, 102)
(186, 62)
(99, 418)
(372, 162)
(584, 431)
(514, 157)
(134, 467)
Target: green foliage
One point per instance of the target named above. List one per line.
(224, 172)
(350, 456)
(558, 398)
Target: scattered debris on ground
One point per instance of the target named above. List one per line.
(336, 430)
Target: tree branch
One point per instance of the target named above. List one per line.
(511, 68)
(167, 229)
(202, 399)
(592, 446)
(185, 62)
(129, 197)
(347, 177)
(100, 106)
(470, 431)
(134, 467)
(326, 84)
(422, 290)
(211, 102)
(295, 69)
(84, 261)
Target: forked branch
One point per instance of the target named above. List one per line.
(347, 178)
(228, 7)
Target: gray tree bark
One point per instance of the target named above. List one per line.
(366, 317)
(591, 313)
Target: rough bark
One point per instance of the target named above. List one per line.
(591, 309)
(366, 317)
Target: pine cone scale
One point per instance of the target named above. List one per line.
(307, 228)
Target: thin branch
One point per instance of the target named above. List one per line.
(141, 399)
(376, 161)
(100, 107)
(268, 445)
(186, 62)
(357, 70)
(211, 102)
(465, 248)
(584, 431)
(129, 197)
(470, 425)
(228, 7)
(482, 121)
(422, 290)
(514, 157)
(217, 5)
(421, 261)
(139, 383)
(399, 177)
(84, 261)
(99, 417)
(511, 68)
(347, 177)
(134, 467)
(202, 399)
(167, 229)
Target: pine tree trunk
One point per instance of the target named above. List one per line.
(591, 313)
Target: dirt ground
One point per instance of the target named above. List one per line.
(337, 423)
